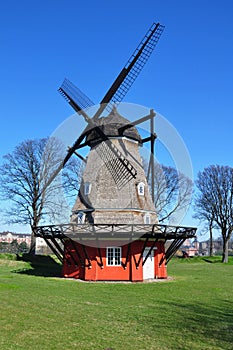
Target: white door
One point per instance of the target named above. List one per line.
(148, 267)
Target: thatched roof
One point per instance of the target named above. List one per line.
(111, 126)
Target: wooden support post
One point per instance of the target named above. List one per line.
(77, 252)
(54, 250)
(86, 256)
(141, 255)
(152, 146)
(101, 260)
(127, 256)
(57, 245)
(150, 250)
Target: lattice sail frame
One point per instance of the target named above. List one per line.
(79, 101)
(134, 65)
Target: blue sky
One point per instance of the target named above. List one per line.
(188, 79)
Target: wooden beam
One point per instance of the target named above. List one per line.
(141, 255)
(127, 256)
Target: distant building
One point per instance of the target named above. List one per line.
(190, 248)
(8, 237)
(194, 248)
(217, 247)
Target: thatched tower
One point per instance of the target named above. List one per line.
(106, 194)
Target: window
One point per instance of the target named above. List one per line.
(147, 219)
(87, 188)
(81, 217)
(141, 189)
(113, 256)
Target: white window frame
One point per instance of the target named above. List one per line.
(81, 217)
(87, 188)
(141, 188)
(113, 256)
(147, 219)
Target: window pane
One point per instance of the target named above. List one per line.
(147, 219)
(87, 188)
(117, 256)
(141, 186)
(114, 256)
(110, 256)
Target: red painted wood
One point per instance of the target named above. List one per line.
(111, 273)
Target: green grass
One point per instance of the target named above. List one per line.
(191, 311)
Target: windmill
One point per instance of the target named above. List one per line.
(100, 135)
(79, 101)
(114, 202)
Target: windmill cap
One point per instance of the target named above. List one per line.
(114, 125)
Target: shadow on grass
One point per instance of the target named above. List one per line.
(211, 261)
(40, 265)
(214, 320)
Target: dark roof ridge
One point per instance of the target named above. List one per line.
(112, 126)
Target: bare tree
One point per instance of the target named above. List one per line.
(25, 183)
(214, 201)
(172, 192)
(208, 228)
(71, 177)
(211, 226)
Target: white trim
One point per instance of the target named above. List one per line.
(115, 258)
(141, 188)
(147, 218)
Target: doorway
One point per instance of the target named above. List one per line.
(148, 267)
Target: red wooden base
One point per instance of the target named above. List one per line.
(90, 263)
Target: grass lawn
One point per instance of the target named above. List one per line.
(194, 310)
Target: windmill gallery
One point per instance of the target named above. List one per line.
(114, 233)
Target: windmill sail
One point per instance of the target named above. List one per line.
(120, 168)
(133, 67)
(75, 97)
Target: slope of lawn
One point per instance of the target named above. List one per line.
(193, 310)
